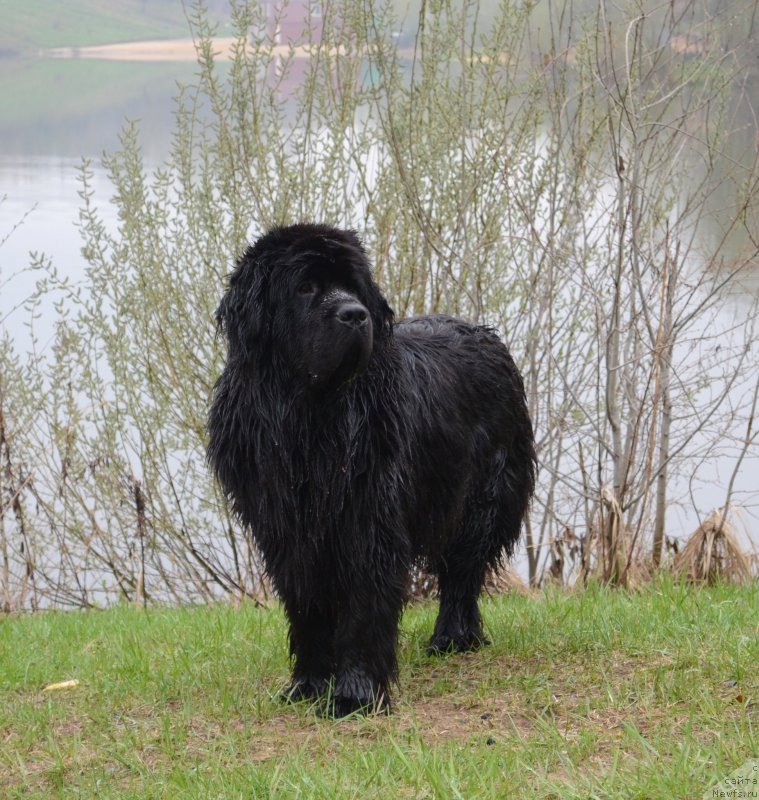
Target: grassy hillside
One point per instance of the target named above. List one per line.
(75, 108)
(596, 694)
(34, 89)
(50, 23)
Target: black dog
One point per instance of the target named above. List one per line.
(352, 446)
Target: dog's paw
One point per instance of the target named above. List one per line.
(304, 688)
(441, 644)
(343, 706)
(356, 693)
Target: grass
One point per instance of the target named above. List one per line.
(601, 694)
(77, 107)
(43, 92)
(76, 23)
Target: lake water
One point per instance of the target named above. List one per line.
(38, 215)
(53, 113)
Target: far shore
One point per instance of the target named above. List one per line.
(182, 50)
(158, 50)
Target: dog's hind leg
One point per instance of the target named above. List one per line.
(489, 529)
(459, 625)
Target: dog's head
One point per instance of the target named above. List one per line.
(303, 295)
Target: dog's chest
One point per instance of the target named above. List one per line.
(314, 472)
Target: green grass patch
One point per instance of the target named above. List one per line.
(41, 92)
(603, 694)
(77, 23)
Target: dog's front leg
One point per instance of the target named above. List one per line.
(365, 642)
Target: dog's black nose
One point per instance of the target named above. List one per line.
(353, 314)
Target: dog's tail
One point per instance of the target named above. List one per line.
(512, 475)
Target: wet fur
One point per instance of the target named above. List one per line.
(350, 450)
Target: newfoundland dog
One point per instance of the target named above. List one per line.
(353, 446)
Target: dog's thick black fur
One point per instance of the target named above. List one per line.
(352, 446)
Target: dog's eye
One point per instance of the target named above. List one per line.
(308, 287)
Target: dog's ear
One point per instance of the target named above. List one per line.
(241, 312)
(388, 315)
(382, 315)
